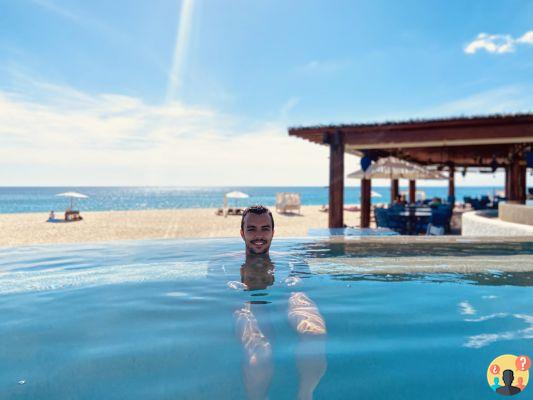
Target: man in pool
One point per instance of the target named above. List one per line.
(257, 273)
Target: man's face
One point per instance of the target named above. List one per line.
(257, 233)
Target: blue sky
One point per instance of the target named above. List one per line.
(201, 92)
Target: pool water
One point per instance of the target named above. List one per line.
(337, 319)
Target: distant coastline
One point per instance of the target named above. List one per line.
(42, 199)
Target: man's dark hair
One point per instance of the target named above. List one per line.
(257, 210)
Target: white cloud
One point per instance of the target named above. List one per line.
(498, 44)
(67, 137)
(526, 38)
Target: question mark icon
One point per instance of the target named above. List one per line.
(495, 369)
(522, 363)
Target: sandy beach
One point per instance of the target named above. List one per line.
(32, 228)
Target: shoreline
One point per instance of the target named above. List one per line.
(21, 229)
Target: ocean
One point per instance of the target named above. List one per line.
(44, 199)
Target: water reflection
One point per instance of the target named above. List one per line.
(484, 339)
(388, 249)
(258, 273)
(482, 279)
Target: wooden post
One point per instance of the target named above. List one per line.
(507, 182)
(336, 179)
(451, 184)
(366, 189)
(412, 191)
(394, 190)
(517, 182)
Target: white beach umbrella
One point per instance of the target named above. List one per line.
(72, 195)
(394, 168)
(236, 195)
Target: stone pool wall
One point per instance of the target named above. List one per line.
(517, 213)
(487, 223)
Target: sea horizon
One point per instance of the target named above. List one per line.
(26, 199)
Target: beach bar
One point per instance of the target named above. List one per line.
(481, 144)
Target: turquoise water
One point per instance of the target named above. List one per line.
(43, 199)
(164, 320)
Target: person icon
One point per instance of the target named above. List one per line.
(520, 383)
(496, 384)
(508, 390)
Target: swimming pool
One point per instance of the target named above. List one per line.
(372, 318)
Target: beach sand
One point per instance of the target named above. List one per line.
(32, 228)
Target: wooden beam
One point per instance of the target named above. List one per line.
(440, 137)
(412, 191)
(336, 179)
(394, 190)
(366, 190)
(431, 133)
(470, 156)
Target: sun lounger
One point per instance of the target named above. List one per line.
(235, 211)
(286, 202)
(352, 208)
(73, 215)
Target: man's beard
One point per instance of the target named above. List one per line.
(252, 250)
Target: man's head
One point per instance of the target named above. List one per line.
(508, 377)
(257, 229)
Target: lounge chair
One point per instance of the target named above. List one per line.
(72, 215)
(288, 202)
(352, 208)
